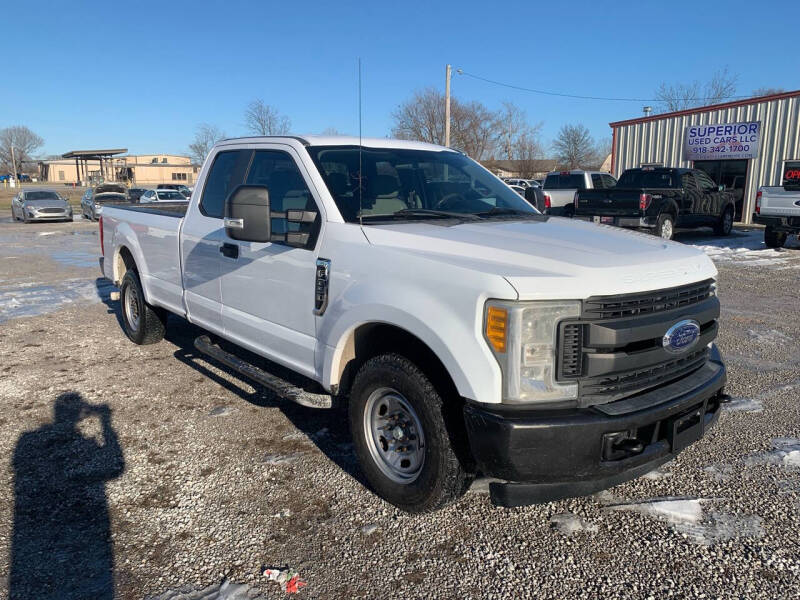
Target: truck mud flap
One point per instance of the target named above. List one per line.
(281, 387)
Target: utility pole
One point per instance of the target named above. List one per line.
(449, 73)
(13, 164)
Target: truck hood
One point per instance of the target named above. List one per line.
(555, 258)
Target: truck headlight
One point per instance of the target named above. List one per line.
(523, 339)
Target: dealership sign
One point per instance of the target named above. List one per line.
(721, 141)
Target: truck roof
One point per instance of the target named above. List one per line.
(340, 140)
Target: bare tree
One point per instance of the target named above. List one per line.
(331, 131)
(421, 117)
(17, 144)
(473, 129)
(262, 119)
(528, 151)
(767, 91)
(575, 148)
(204, 139)
(680, 96)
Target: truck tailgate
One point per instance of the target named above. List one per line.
(151, 233)
(612, 201)
(777, 201)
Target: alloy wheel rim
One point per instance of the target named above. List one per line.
(666, 230)
(394, 435)
(132, 307)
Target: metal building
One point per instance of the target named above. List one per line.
(741, 145)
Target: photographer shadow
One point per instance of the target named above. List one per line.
(61, 543)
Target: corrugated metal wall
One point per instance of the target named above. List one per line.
(661, 141)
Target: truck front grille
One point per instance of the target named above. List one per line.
(646, 303)
(614, 386)
(571, 351)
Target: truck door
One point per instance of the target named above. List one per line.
(711, 197)
(201, 239)
(268, 287)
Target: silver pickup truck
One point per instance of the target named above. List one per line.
(560, 187)
(778, 207)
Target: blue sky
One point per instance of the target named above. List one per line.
(142, 75)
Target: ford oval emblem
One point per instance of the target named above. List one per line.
(681, 336)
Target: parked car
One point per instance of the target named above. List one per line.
(175, 186)
(523, 183)
(34, 204)
(660, 199)
(162, 195)
(778, 207)
(560, 187)
(95, 198)
(135, 193)
(465, 331)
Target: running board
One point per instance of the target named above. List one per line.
(279, 386)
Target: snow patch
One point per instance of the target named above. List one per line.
(720, 472)
(743, 405)
(30, 299)
(225, 591)
(770, 336)
(785, 452)
(656, 475)
(687, 517)
(743, 246)
(570, 524)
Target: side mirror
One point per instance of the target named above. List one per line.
(247, 214)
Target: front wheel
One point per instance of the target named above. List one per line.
(725, 224)
(773, 238)
(143, 324)
(400, 437)
(665, 227)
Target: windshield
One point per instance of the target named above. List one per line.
(637, 178)
(409, 184)
(170, 195)
(42, 196)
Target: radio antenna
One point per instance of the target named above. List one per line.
(360, 177)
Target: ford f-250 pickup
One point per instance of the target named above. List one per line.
(467, 332)
(660, 199)
(778, 207)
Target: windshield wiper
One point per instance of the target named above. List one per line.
(497, 210)
(426, 212)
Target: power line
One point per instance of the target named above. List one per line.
(581, 97)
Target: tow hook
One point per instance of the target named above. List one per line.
(629, 446)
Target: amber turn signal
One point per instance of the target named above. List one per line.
(496, 327)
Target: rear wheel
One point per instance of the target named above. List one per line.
(401, 440)
(143, 324)
(773, 238)
(725, 224)
(665, 226)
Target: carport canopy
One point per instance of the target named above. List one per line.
(101, 156)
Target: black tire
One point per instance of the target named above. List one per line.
(773, 238)
(725, 224)
(441, 478)
(569, 211)
(665, 226)
(148, 324)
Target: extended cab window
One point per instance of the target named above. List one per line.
(287, 189)
(564, 181)
(646, 178)
(226, 173)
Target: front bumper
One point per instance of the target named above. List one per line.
(49, 216)
(548, 455)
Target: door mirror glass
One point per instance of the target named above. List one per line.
(247, 214)
(720, 188)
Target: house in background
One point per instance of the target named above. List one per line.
(525, 169)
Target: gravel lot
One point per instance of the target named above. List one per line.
(190, 476)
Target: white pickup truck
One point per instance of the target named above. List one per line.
(560, 187)
(778, 207)
(468, 333)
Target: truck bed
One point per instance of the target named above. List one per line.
(152, 232)
(166, 209)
